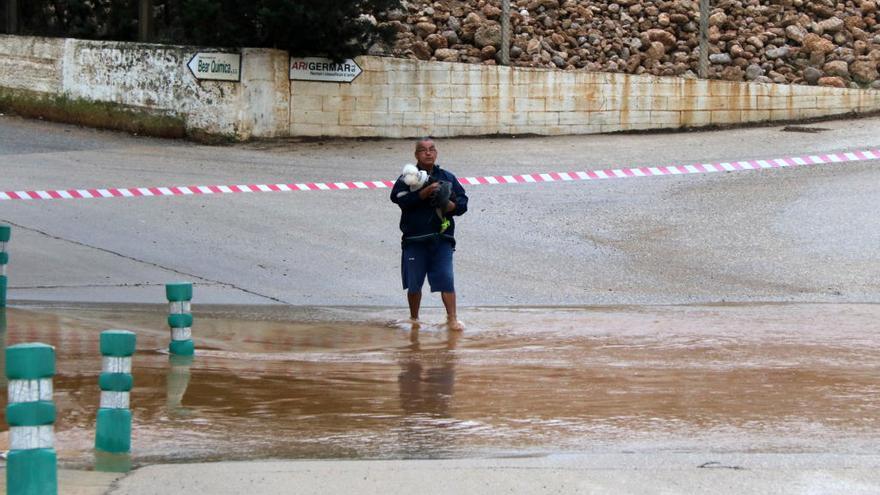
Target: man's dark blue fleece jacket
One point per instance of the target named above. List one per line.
(418, 219)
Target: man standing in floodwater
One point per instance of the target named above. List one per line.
(427, 208)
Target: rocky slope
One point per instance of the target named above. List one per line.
(824, 42)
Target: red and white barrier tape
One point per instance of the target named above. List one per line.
(617, 173)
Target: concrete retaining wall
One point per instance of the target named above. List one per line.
(155, 79)
(399, 98)
(33, 64)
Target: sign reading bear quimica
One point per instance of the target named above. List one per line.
(215, 66)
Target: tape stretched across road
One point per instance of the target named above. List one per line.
(617, 173)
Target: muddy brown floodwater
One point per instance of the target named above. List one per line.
(351, 383)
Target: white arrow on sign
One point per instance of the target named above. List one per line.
(323, 69)
(215, 66)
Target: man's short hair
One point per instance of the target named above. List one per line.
(423, 139)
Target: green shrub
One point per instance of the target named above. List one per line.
(334, 28)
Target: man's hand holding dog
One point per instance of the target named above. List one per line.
(428, 191)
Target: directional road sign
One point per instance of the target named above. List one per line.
(215, 66)
(323, 69)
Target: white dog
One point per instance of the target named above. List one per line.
(413, 177)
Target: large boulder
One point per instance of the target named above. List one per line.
(491, 11)
(422, 50)
(656, 51)
(832, 82)
(547, 4)
(436, 41)
(451, 37)
(831, 25)
(423, 29)
(795, 33)
(863, 71)
(534, 46)
(469, 27)
(446, 54)
(837, 68)
(813, 43)
(732, 73)
(488, 34)
(812, 75)
(822, 9)
(755, 42)
(663, 36)
(754, 71)
(720, 58)
(781, 52)
(718, 19)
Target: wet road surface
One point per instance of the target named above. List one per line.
(346, 383)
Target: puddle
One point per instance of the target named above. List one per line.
(768, 378)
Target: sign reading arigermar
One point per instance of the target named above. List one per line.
(216, 66)
(323, 69)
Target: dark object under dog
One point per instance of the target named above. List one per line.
(440, 197)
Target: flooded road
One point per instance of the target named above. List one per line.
(350, 383)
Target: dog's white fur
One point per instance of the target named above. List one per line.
(413, 177)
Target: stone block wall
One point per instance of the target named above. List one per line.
(405, 98)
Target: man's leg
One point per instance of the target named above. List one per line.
(415, 301)
(414, 268)
(451, 316)
(442, 279)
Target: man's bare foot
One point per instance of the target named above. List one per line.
(452, 339)
(454, 325)
(416, 324)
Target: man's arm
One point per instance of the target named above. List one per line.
(410, 199)
(459, 206)
(402, 196)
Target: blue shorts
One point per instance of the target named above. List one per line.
(433, 259)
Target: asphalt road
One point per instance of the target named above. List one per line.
(806, 234)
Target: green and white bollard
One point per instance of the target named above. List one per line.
(113, 431)
(3, 345)
(5, 234)
(180, 318)
(31, 466)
